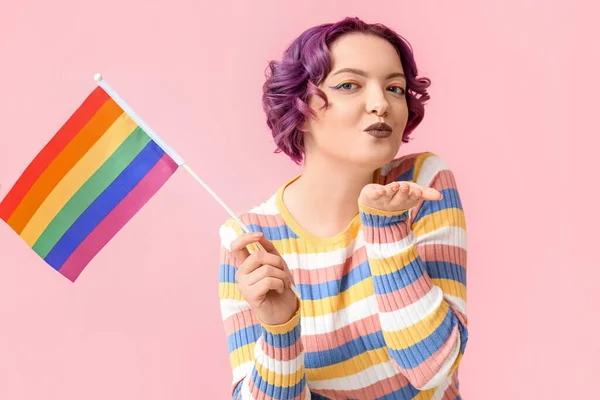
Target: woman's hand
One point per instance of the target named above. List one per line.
(396, 196)
(264, 280)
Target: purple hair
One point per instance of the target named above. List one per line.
(305, 64)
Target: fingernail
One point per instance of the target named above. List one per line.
(257, 234)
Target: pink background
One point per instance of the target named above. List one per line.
(515, 85)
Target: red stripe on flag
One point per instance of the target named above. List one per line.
(67, 132)
(118, 217)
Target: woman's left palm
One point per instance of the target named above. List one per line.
(396, 196)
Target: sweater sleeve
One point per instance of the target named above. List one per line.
(418, 263)
(267, 361)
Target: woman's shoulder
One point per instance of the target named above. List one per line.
(420, 168)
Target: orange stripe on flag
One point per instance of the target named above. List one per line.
(48, 180)
(52, 149)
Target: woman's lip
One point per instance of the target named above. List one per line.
(379, 133)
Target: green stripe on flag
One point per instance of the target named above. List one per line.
(90, 191)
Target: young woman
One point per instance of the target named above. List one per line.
(374, 245)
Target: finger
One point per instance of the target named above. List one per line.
(404, 187)
(259, 258)
(238, 246)
(416, 193)
(377, 192)
(261, 287)
(266, 271)
(393, 188)
(432, 194)
(270, 247)
(427, 193)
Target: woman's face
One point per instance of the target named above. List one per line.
(373, 90)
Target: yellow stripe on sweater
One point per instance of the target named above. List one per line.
(333, 304)
(405, 338)
(349, 367)
(394, 263)
(451, 287)
(228, 290)
(241, 355)
(439, 219)
(281, 380)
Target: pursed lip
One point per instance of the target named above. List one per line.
(379, 129)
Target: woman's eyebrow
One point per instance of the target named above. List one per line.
(363, 73)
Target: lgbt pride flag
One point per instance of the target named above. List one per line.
(90, 179)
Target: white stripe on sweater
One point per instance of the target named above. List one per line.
(277, 366)
(412, 313)
(429, 169)
(230, 307)
(315, 261)
(362, 379)
(330, 322)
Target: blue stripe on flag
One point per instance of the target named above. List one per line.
(104, 204)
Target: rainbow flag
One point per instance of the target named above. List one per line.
(89, 180)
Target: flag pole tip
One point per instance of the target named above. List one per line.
(98, 77)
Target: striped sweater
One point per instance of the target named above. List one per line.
(383, 304)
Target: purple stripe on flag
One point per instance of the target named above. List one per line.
(118, 217)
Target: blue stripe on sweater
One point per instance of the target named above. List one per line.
(451, 200)
(281, 340)
(227, 273)
(416, 354)
(344, 352)
(271, 233)
(242, 337)
(278, 392)
(446, 270)
(399, 279)
(334, 287)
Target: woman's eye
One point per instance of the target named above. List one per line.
(400, 89)
(345, 85)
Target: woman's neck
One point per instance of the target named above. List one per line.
(324, 199)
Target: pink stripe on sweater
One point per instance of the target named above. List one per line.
(228, 258)
(339, 337)
(239, 321)
(386, 235)
(375, 390)
(406, 296)
(330, 273)
(444, 180)
(262, 220)
(443, 252)
(118, 217)
(282, 353)
(245, 319)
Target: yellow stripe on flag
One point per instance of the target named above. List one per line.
(77, 176)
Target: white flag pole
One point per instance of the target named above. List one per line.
(170, 151)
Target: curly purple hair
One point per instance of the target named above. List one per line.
(305, 64)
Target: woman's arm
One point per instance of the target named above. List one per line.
(267, 360)
(418, 264)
